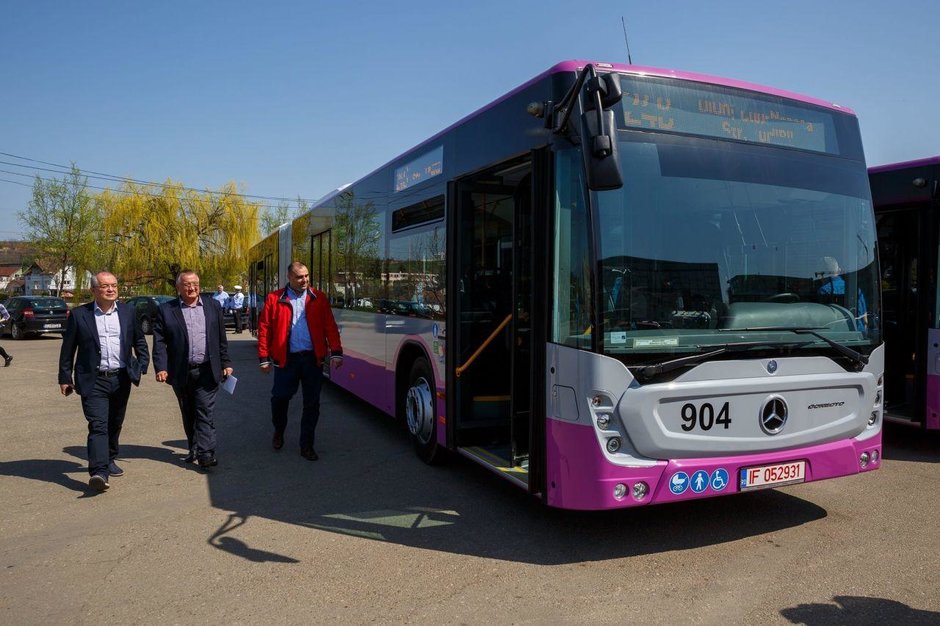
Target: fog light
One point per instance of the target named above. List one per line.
(620, 491)
(873, 419)
(874, 456)
(863, 459)
(613, 444)
(603, 420)
(640, 490)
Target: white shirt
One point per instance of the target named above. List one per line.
(109, 337)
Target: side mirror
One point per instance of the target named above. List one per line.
(599, 145)
(608, 86)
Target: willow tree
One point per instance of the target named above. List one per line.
(155, 231)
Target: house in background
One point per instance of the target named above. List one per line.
(38, 281)
(9, 273)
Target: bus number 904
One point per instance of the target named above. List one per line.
(704, 417)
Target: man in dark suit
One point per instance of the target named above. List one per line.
(190, 353)
(104, 332)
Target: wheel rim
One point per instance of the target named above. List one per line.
(15, 332)
(419, 410)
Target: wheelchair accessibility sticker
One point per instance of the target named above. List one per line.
(719, 479)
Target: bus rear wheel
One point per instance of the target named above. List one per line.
(419, 412)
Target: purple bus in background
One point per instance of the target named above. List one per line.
(907, 199)
(615, 286)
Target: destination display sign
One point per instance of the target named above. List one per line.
(421, 169)
(725, 113)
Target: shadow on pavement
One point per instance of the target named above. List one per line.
(368, 483)
(48, 470)
(859, 611)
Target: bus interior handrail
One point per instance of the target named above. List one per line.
(489, 340)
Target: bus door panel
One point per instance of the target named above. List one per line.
(904, 319)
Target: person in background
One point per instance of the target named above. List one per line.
(238, 305)
(190, 353)
(296, 333)
(4, 316)
(105, 333)
(221, 296)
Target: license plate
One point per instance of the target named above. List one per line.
(772, 475)
(52, 325)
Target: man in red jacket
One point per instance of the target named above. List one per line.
(296, 333)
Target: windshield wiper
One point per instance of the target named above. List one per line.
(648, 372)
(857, 357)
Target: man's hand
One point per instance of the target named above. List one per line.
(336, 361)
(266, 367)
(66, 389)
(161, 376)
(227, 372)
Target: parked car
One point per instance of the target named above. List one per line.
(146, 309)
(33, 315)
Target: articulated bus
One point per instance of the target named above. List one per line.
(907, 209)
(615, 286)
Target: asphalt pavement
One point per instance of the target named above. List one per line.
(369, 534)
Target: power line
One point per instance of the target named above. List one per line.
(65, 169)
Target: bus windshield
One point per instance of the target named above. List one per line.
(711, 242)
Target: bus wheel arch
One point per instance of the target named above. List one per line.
(416, 396)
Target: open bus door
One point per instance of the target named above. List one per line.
(907, 242)
(494, 382)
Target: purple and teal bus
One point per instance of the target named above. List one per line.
(616, 286)
(907, 204)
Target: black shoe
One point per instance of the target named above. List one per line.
(207, 461)
(7, 360)
(277, 442)
(98, 482)
(190, 458)
(114, 470)
(310, 454)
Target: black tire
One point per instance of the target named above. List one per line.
(420, 412)
(17, 333)
(146, 326)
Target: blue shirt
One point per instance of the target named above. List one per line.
(835, 285)
(299, 333)
(220, 297)
(109, 337)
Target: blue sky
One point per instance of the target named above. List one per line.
(291, 98)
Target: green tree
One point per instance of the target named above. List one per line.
(63, 222)
(156, 231)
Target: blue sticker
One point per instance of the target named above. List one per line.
(719, 479)
(435, 330)
(699, 481)
(679, 483)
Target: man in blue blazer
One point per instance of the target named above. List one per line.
(112, 354)
(190, 353)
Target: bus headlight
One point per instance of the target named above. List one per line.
(640, 490)
(603, 420)
(613, 444)
(873, 419)
(620, 491)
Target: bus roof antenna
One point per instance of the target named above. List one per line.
(625, 40)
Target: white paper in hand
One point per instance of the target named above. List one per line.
(229, 383)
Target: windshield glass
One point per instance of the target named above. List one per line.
(712, 240)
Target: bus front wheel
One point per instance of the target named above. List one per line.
(419, 411)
